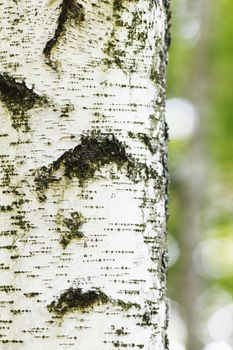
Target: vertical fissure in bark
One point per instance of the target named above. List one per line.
(71, 10)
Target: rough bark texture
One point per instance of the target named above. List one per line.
(83, 174)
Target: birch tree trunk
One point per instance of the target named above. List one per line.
(83, 174)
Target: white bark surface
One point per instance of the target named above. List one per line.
(83, 174)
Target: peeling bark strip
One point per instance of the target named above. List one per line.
(70, 10)
(83, 177)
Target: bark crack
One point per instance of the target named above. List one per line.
(70, 11)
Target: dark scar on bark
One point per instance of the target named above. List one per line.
(94, 151)
(18, 98)
(70, 10)
(74, 299)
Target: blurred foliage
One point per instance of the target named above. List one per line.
(222, 87)
(217, 212)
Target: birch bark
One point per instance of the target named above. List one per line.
(83, 174)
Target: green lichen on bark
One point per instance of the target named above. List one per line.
(71, 10)
(18, 99)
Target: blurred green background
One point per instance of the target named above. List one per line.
(200, 116)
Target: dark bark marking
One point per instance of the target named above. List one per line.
(13, 341)
(118, 344)
(14, 205)
(95, 151)
(9, 289)
(70, 10)
(20, 221)
(18, 98)
(117, 55)
(126, 306)
(73, 299)
(16, 95)
(148, 141)
(166, 342)
(117, 5)
(158, 76)
(166, 4)
(73, 225)
(20, 224)
(146, 319)
(121, 331)
(31, 294)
